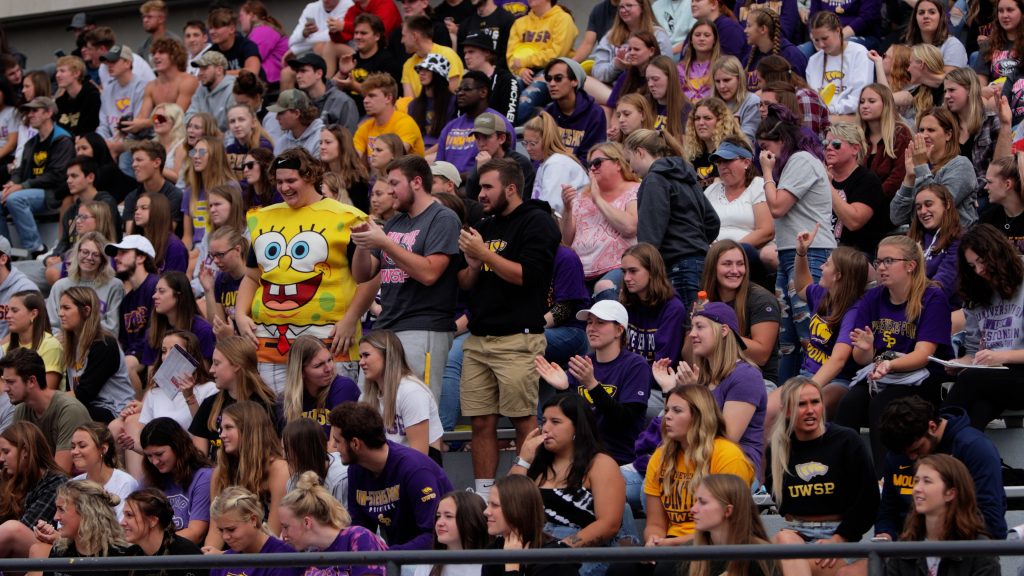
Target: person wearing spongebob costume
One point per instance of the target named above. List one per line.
(298, 279)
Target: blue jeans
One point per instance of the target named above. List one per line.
(449, 407)
(615, 277)
(21, 205)
(564, 342)
(796, 319)
(685, 278)
(627, 532)
(635, 496)
(532, 99)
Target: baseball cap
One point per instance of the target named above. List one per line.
(488, 123)
(291, 99)
(40, 102)
(435, 63)
(446, 170)
(607, 310)
(118, 52)
(574, 68)
(210, 58)
(479, 40)
(5, 245)
(79, 21)
(729, 151)
(723, 314)
(135, 242)
(308, 59)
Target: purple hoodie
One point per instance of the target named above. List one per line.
(584, 128)
(731, 37)
(864, 16)
(787, 50)
(789, 16)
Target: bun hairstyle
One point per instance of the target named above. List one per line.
(239, 500)
(99, 529)
(152, 502)
(310, 498)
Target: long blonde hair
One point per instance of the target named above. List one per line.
(931, 57)
(889, 120)
(974, 115)
(730, 65)
(726, 126)
(258, 447)
(78, 342)
(550, 138)
(617, 154)
(911, 250)
(98, 530)
(303, 350)
(706, 425)
(310, 498)
(385, 390)
(745, 526)
(721, 363)
(780, 438)
(240, 353)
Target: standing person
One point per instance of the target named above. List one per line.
(268, 34)
(413, 256)
(507, 290)
(267, 314)
(133, 265)
(97, 374)
(840, 68)
(39, 182)
(834, 503)
(945, 508)
(678, 219)
(313, 521)
(886, 135)
(390, 487)
(799, 196)
(314, 388)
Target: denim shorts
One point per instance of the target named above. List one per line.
(812, 531)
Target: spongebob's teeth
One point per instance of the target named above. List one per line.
(275, 289)
(290, 290)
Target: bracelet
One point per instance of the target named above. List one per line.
(523, 463)
(767, 182)
(804, 255)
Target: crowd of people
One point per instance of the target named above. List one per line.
(688, 255)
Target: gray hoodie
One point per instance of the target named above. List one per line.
(110, 295)
(118, 101)
(215, 102)
(310, 139)
(336, 107)
(15, 282)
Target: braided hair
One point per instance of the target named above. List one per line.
(151, 502)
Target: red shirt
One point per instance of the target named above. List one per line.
(386, 10)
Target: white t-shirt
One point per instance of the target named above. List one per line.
(737, 217)
(121, 483)
(8, 123)
(158, 403)
(450, 570)
(414, 404)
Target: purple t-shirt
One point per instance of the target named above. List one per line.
(136, 308)
(823, 340)
(343, 389)
(731, 37)
(175, 256)
(401, 501)
(225, 292)
(942, 268)
(568, 284)
(352, 539)
(203, 331)
(745, 384)
(889, 321)
(457, 145)
(626, 380)
(272, 546)
(656, 332)
(191, 504)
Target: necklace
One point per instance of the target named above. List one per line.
(1010, 220)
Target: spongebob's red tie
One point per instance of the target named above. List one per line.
(283, 346)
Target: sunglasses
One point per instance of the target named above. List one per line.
(835, 144)
(197, 152)
(159, 118)
(249, 165)
(596, 163)
(557, 77)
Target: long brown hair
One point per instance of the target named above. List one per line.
(349, 167)
(949, 228)
(851, 266)
(258, 448)
(1003, 268)
(620, 32)
(634, 80)
(675, 100)
(948, 122)
(159, 227)
(709, 279)
(240, 353)
(385, 389)
(185, 309)
(706, 425)
(659, 289)
(744, 523)
(963, 519)
(523, 508)
(236, 216)
(998, 37)
(33, 302)
(35, 460)
(914, 34)
(78, 342)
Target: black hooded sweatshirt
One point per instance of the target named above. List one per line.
(677, 218)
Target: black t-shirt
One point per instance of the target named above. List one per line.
(762, 306)
(497, 25)
(80, 114)
(200, 427)
(174, 196)
(240, 51)
(178, 547)
(601, 18)
(72, 552)
(864, 187)
(460, 12)
(381, 61)
(1013, 228)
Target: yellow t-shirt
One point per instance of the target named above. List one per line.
(726, 458)
(400, 124)
(51, 350)
(412, 78)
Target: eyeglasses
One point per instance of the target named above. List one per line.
(159, 118)
(887, 262)
(249, 165)
(81, 217)
(835, 144)
(557, 77)
(87, 255)
(530, 143)
(197, 153)
(595, 163)
(220, 255)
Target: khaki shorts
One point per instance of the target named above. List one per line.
(499, 376)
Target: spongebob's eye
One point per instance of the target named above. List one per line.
(269, 248)
(307, 249)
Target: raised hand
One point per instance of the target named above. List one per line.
(552, 373)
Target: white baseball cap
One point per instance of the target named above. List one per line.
(607, 310)
(132, 242)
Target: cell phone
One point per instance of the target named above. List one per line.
(310, 21)
(60, 53)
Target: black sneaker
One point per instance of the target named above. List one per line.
(41, 251)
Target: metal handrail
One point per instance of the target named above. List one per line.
(875, 552)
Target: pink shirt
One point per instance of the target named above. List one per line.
(273, 45)
(597, 243)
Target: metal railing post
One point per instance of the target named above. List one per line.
(394, 569)
(876, 566)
